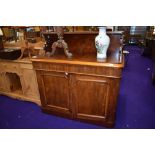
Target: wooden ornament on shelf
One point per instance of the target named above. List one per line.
(60, 43)
(27, 50)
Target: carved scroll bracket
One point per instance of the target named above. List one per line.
(60, 43)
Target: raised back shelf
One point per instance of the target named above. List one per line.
(82, 43)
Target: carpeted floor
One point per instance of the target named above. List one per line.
(136, 103)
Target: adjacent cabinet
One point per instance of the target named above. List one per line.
(18, 80)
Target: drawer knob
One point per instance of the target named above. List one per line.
(66, 73)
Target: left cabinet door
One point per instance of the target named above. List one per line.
(54, 90)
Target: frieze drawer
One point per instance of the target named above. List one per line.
(10, 67)
(81, 69)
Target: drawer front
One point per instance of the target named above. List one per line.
(95, 70)
(10, 67)
(50, 66)
(26, 66)
(79, 69)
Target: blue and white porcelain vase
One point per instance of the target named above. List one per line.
(102, 42)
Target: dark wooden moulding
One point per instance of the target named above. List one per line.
(80, 87)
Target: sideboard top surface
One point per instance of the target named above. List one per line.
(114, 59)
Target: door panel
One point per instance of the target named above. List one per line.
(56, 91)
(90, 94)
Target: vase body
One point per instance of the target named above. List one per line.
(102, 42)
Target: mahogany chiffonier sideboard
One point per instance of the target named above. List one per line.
(81, 87)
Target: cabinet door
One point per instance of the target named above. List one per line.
(94, 98)
(2, 82)
(54, 91)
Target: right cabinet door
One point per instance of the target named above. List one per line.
(94, 98)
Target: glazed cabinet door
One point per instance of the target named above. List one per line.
(94, 98)
(54, 92)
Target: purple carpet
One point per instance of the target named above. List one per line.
(136, 103)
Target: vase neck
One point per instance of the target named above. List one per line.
(102, 30)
